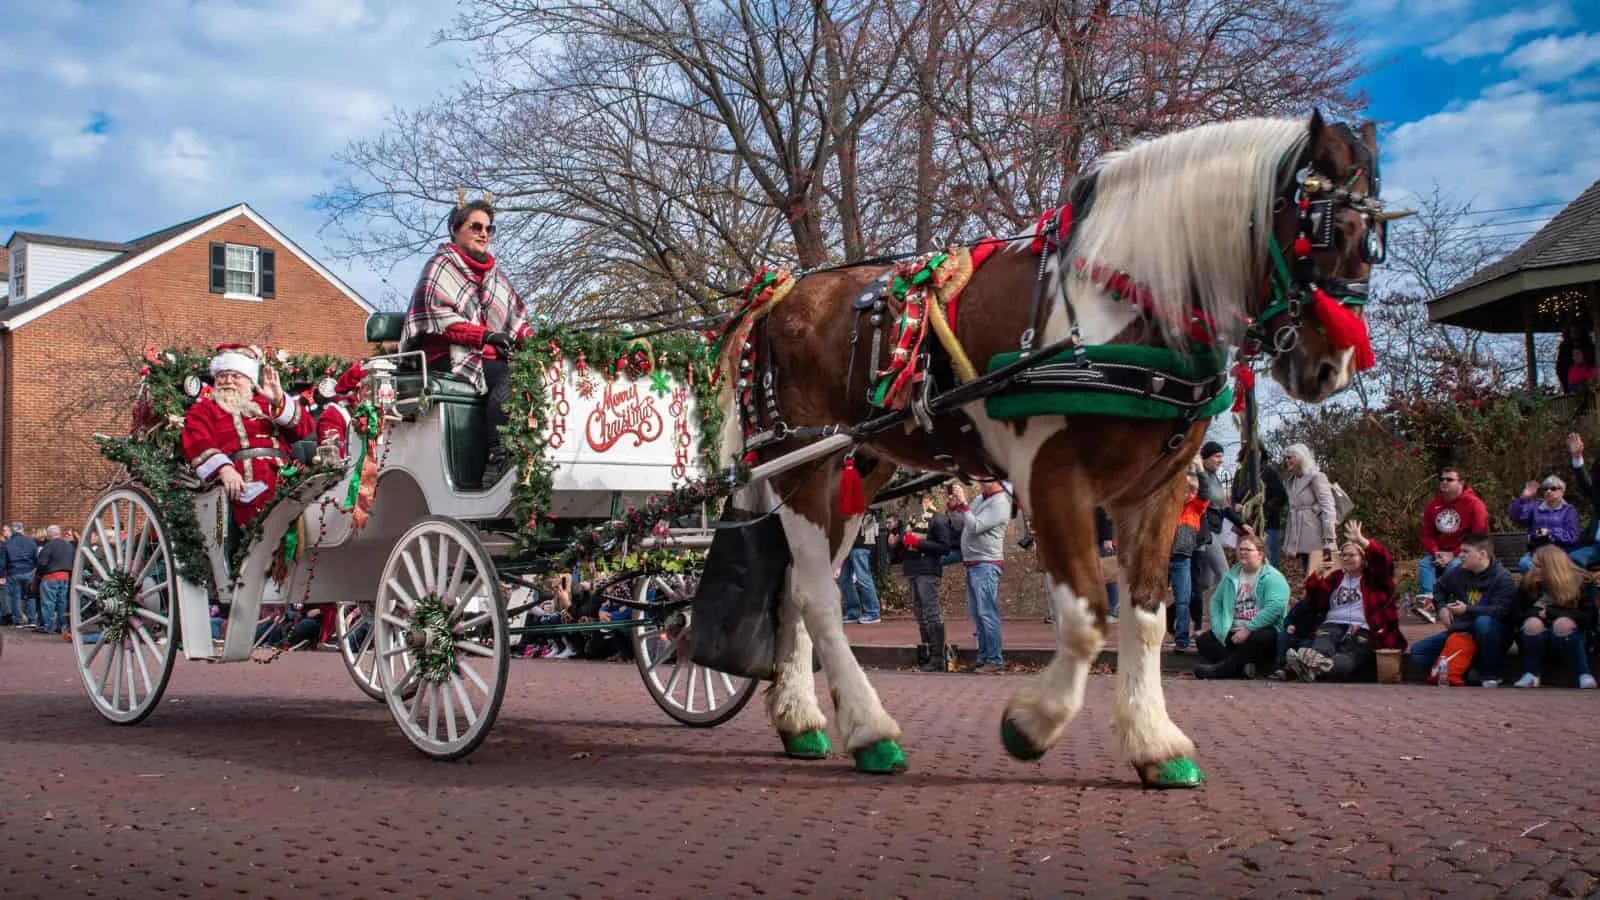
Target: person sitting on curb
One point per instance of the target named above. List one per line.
(1354, 607)
(1247, 609)
(1477, 597)
(1556, 606)
(1553, 521)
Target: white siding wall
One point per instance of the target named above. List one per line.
(49, 266)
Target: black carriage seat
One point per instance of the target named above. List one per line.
(463, 409)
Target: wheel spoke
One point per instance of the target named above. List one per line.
(443, 566)
(414, 714)
(465, 595)
(727, 683)
(466, 703)
(473, 623)
(401, 598)
(397, 623)
(688, 702)
(432, 687)
(711, 693)
(150, 616)
(94, 560)
(127, 536)
(92, 620)
(88, 661)
(116, 533)
(672, 680)
(418, 587)
(138, 657)
(452, 586)
(136, 557)
(472, 674)
(114, 673)
(449, 714)
(430, 578)
(474, 648)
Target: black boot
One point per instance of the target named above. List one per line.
(939, 653)
(925, 649)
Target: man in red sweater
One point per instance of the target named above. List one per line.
(1451, 515)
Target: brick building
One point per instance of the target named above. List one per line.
(77, 315)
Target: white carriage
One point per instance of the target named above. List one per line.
(422, 589)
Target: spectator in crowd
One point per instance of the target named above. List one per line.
(1556, 606)
(856, 584)
(1550, 521)
(1309, 534)
(983, 536)
(1191, 531)
(1452, 514)
(1274, 501)
(1587, 554)
(1353, 606)
(1582, 374)
(921, 544)
(1477, 597)
(1209, 561)
(21, 559)
(1573, 338)
(8, 615)
(1105, 537)
(55, 572)
(1247, 609)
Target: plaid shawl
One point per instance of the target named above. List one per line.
(446, 295)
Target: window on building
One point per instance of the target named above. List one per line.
(238, 270)
(19, 274)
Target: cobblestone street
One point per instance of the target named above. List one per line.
(282, 779)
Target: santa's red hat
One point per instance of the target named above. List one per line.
(241, 358)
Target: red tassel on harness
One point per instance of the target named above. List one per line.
(1244, 381)
(1344, 329)
(852, 498)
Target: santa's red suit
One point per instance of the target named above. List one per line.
(333, 423)
(256, 446)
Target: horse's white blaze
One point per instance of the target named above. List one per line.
(813, 590)
(1143, 731)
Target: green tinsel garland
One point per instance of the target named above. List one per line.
(687, 358)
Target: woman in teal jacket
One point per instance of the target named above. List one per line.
(1247, 609)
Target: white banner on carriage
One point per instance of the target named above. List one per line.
(625, 434)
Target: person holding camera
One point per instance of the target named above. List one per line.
(1352, 604)
(920, 544)
(983, 535)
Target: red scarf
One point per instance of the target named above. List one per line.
(477, 269)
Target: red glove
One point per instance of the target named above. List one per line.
(912, 542)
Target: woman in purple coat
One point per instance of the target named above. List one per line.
(1550, 521)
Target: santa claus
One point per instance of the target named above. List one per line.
(239, 433)
(333, 423)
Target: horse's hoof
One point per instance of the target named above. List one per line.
(1017, 744)
(1174, 773)
(882, 758)
(811, 744)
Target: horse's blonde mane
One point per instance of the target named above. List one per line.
(1175, 214)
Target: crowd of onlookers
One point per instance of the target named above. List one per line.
(35, 574)
(1348, 610)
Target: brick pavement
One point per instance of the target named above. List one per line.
(266, 780)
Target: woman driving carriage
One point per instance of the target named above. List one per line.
(465, 309)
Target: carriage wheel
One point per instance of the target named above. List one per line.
(440, 639)
(122, 606)
(693, 694)
(353, 631)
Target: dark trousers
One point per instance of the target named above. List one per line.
(925, 600)
(1258, 648)
(1349, 647)
(497, 377)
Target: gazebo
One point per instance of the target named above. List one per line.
(1550, 282)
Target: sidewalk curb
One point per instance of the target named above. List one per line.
(886, 657)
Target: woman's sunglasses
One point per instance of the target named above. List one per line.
(480, 228)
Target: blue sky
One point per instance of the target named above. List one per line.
(125, 118)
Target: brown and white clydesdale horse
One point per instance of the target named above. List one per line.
(1192, 223)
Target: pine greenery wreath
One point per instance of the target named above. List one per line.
(153, 455)
(685, 357)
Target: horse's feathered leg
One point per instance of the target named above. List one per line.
(792, 697)
(1063, 526)
(1145, 735)
(869, 733)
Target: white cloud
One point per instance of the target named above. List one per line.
(1486, 37)
(70, 72)
(183, 164)
(1510, 146)
(77, 148)
(1556, 57)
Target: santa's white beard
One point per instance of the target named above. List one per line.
(238, 401)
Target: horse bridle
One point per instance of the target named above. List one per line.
(1291, 284)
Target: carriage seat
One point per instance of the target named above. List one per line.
(462, 406)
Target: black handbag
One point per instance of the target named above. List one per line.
(734, 628)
